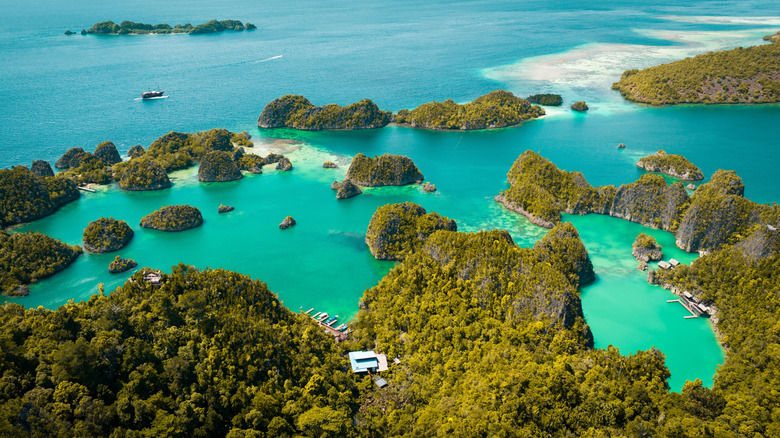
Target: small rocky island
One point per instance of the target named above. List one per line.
(143, 173)
(218, 166)
(740, 75)
(672, 165)
(106, 235)
(385, 170)
(295, 111)
(546, 99)
(498, 109)
(329, 165)
(131, 28)
(121, 265)
(580, 106)
(173, 218)
(397, 230)
(287, 223)
(28, 257)
(284, 164)
(428, 187)
(646, 249)
(225, 208)
(346, 189)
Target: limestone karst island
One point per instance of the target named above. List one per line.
(459, 219)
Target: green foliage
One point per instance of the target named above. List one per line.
(132, 28)
(496, 109)
(121, 265)
(346, 189)
(297, 112)
(580, 106)
(207, 353)
(173, 218)
(28, 257)
(746, 293)
(89, 169)
(740, 75)
(41, 168)
(651, 202)
(772, 38)
(645, 241)
(385, 170)
(107, 153)
(106, 235)
(546, 99)
(674, 165)
(564, 251)
(179, 150)
(70, 158)
(143, 173)
(25, 197)
(136, 151)
(397, 230)
(218, 166)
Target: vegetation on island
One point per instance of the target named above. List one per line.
(107, 153)
(563, 249)
(70, 158)
(546, 99)
(645, 248)
(218, 166)
(772, 38)
(715, 215)
(136, 151)
(121, 265)
(295, 111)
(580, 106)
(41, 168)
(28, 257)
(143, 173)
(385, 170)
(85, 168)
(739, 75)
(25, 197)
(131, 28)
(346, 189)
(173, 218)
(287, 223)
(671, 164)
(107, 235)
(398, 230)
(204, 354)
(284, 164)
(497, 109)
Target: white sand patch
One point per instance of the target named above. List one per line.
(587, 72)
(717, 19)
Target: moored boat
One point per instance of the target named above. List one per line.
(151, 94)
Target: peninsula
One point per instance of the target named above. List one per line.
(739, 75)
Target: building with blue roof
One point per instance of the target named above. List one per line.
(367, 362)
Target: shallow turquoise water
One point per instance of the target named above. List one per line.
(60, 92)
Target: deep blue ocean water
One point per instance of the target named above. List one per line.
(62, 91)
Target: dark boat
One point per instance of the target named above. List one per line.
(151, 94)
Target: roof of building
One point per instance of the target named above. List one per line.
(362, 361)
(664, 265)
(382, 359)
(380, 382)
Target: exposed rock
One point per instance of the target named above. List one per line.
(761, 243)
(691, 186)
(217, 166)
(287, 223)
(335, 185)
(121, 265)
(622, 146)
(272, 158)
(70, 158)
(428, 187)
(106, 235)
(297, 112)
(386, 170)
(397, 230)
(671, 164)
(143, 173)
(580, 106)
(136, 151)
(347, 190)
(107, 153)
(284, 164)
(650, 202)
(225, 208)
(642, 266)
(645, 248)
(173, 218)
(563, 249)
(41, 168)
(251, 162)
(329, 165)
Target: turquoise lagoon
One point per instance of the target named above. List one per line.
(59, 92)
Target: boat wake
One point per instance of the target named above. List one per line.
(151, 98)
(268, 59)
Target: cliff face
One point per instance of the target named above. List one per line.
(218, 166)
(397, 230)
(650, 202)
(107, 153)
(297, 112)
(386, 170)
(41, 168)
(346, 189)
(563, 249)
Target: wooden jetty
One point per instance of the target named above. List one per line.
(340, 333)
(692, 304)
(86, 189)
